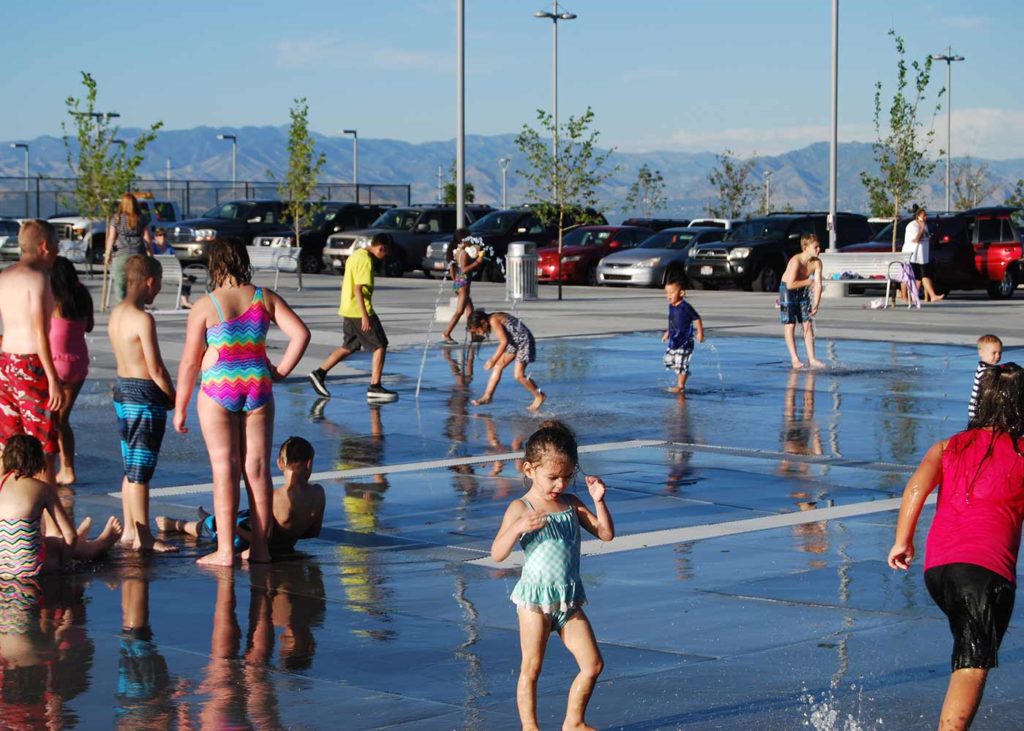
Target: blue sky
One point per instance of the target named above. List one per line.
(690, 75)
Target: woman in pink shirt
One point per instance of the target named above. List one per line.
(971, 552)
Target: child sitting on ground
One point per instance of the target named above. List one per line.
(298, 506)
(683, 321)
(990, 351)
(515, 343)
(24, 551)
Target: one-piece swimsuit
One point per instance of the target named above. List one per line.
(550, 582)
(240, 379)
(22, 551)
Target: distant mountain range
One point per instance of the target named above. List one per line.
(799, 178)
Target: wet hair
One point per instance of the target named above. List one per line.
(990, 339)
(460, 234)
(295, 451)
(23, 455)
(230, 260)
(553, 437)
(382, 239)
(1001, 402)
(73, 299)
(139, 267)
(478, 319)
(33, 233)
(808, 240)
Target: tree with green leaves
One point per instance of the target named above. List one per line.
(735, 186)
(972, 184)
(1016, 199)
(304, 166)
(901, 150)
(451, 192)
(647, 194)
(102, 174)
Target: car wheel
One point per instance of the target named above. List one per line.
(427, 274)
(394, 265)
(702, 284)
(768, 280)
(590, 279)
(492, 273)
(1004, 288)
(674, 273)
(94, 254)
(311, 264)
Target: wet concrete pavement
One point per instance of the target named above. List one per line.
(744, 588)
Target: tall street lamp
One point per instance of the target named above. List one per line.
(554, 16)
(234, 160)
(23, 146)
(355, 159)
(504, 180)
(949, 58)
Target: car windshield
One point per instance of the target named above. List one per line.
(323, 216)
(668, 240)
(495, 222)
(886, 233)
(758, 229)
(397, 219)
(585, 237)
(230, 211)
(9, 228)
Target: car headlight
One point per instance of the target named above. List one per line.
(652, 262)
(205, 234)
(78, 232)
(288, 241)
(363, 242)
(570, 259)
(740, 252)
(195, 250)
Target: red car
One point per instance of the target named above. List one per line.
(583, 248)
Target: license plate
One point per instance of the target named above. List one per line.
(706, 271)
(438, 265)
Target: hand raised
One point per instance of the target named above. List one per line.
(596, 488)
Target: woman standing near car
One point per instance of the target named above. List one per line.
(917, 243)
(127, 234)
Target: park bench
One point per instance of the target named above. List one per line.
(173, 275)
(276, 259)
(863, 267)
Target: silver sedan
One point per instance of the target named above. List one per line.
(656, 259)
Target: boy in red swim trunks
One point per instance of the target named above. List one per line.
(30, 391)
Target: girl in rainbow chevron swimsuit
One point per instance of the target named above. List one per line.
(226, 338)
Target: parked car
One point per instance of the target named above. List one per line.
(9, 248)
(583, 248)
(330, 217)
(657, 259)
(754, 253)
(88, 236)
(657, 224)
(411, 228)
(975, 249)
(725, 223)
(241, 220)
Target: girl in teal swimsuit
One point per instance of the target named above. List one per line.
(549, 595)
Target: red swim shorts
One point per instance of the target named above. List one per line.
(24, 393)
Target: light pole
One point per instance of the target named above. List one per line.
(23, 146)
(355, 158)
(554, 16)
(460, 114)
(833, 148)
(504, 180)
(949, 58)
(234, 160)
(767, 191)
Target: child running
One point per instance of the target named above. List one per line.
(683, 321)
(799, 295)
(970, 565)
(549, 595)
(515, 343)
(465, 255)
(143, 393)
(298, 506)
(990, 352)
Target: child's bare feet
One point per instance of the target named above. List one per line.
(66, 476)
(577, 727)
(815, 363)
(83, 527)
(111, 531)
(481, 401)
(937, 298)
(675, 389)
(164, 524)
(261, 557)
(796, 364)
(217, 559)
(540, 398)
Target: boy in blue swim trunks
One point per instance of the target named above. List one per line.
(298, 506)
(799, 295)
(683, 322)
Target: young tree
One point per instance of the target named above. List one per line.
(737, 190)
(451, 192)
(971, 184)
(102, 174)
(1017, 199)
(901, 152)
(647, 193)
(296, 190)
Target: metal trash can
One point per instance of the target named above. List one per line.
(521, 271)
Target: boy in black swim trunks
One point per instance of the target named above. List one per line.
(799, 295)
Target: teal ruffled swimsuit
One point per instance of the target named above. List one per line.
(550, 582)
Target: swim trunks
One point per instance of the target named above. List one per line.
(978, 604)
(209, 526)
(521, 340)
(678, 359)
(240, 379)
(24, 393)
(141, 409)
(794, 305)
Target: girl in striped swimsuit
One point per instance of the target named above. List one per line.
(226, 339)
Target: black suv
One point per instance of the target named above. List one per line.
(330, 217)
(232, 221)
(657, 224)
(411, 228)
(753, 255)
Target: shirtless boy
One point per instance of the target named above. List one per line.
(30, 392)
(142, 395)
(799, 295)
(298, 505)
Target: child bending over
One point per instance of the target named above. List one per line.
(515, 343)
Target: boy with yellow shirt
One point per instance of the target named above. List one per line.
(362, 328)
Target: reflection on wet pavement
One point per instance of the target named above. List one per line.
(384, 622)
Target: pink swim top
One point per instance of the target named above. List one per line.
(980, 505)
(69, 350)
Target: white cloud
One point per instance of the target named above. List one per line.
(338, 53)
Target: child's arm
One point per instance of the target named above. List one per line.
(473, 264)
(598, 523)
(925, 479)
(518, 520)
(52, 505)
(789, 276)
(321, 502)
(41, 306)
(154, 363)
(188, 367)
(502, 337)
(817, 285)
(664, 337)
(699, 326)
(296, 330)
